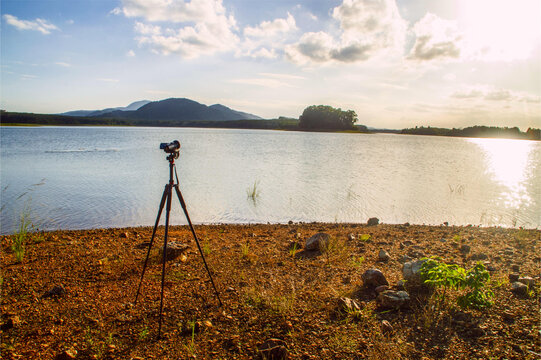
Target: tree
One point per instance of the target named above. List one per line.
(326, 117)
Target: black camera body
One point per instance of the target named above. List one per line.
(170, 148)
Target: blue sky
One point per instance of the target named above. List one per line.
(396, 63)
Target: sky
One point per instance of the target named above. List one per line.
(396, 63)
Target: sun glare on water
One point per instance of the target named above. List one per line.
(501, 30)
(507, 161)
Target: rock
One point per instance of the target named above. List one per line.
(515, 268)
(404, 259)
(374, 278)
(348, 305)
(124, 235)
(272, 349)
(465, 248)
(481, 256)
(405, 243)
(519, 288)
(11, 323)
(381, 288)
(319, 241)
(391, 299)
(386, 327)
(491, 267)
(67, 355)
(351, 237)
(412, 271)
(513, 277)
(372, 221)
(174, 250)
(526, 280)
(383, 256)
(57, 290)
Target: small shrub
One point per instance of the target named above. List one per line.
(365, 237)
(444, 277)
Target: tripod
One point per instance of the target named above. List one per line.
(167, 194)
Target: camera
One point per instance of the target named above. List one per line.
(172, 147)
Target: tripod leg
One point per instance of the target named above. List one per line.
(162, 202)
(183, 204)
(167, 212)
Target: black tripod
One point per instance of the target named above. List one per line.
(167, 194)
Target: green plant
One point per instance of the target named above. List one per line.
(19, 239)
(457, 238)
(143, 333)
(253, 191)
(245, 250)
(444, 277)
(206, 247)
(293, 250)
(365, 237)
(357, 261)
(190, 348)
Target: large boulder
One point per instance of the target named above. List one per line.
(374, 278)
(273, 349)
(411, 271)
(390, 299)
(319, 241)
(372, 221)
(174, 250)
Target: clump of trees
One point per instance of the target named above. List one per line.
(324, 117)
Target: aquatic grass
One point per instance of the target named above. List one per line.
(254, 191)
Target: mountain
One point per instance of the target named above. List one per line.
(180, 109)
(133, 106)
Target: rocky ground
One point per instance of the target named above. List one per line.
(73, 294)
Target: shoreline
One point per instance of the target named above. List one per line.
(73, 292)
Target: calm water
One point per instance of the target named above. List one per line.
(114, 176)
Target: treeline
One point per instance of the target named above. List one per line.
(62, 120)
(477, 131)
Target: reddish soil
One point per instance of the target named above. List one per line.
(268, 290)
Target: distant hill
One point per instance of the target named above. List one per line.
(133, 106)
(180, 109)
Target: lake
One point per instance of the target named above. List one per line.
(94, 177)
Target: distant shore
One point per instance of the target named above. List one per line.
(284, 124)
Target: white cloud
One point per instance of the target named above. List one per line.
(130, 53)
(367, 29)
(43, 26)
(267, 39)
(436, 38)
(63, 64)
(491, 93)
(271, 28)
(211, 30)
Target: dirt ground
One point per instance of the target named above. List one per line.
(73, 294)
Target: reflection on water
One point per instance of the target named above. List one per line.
(507, 162)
